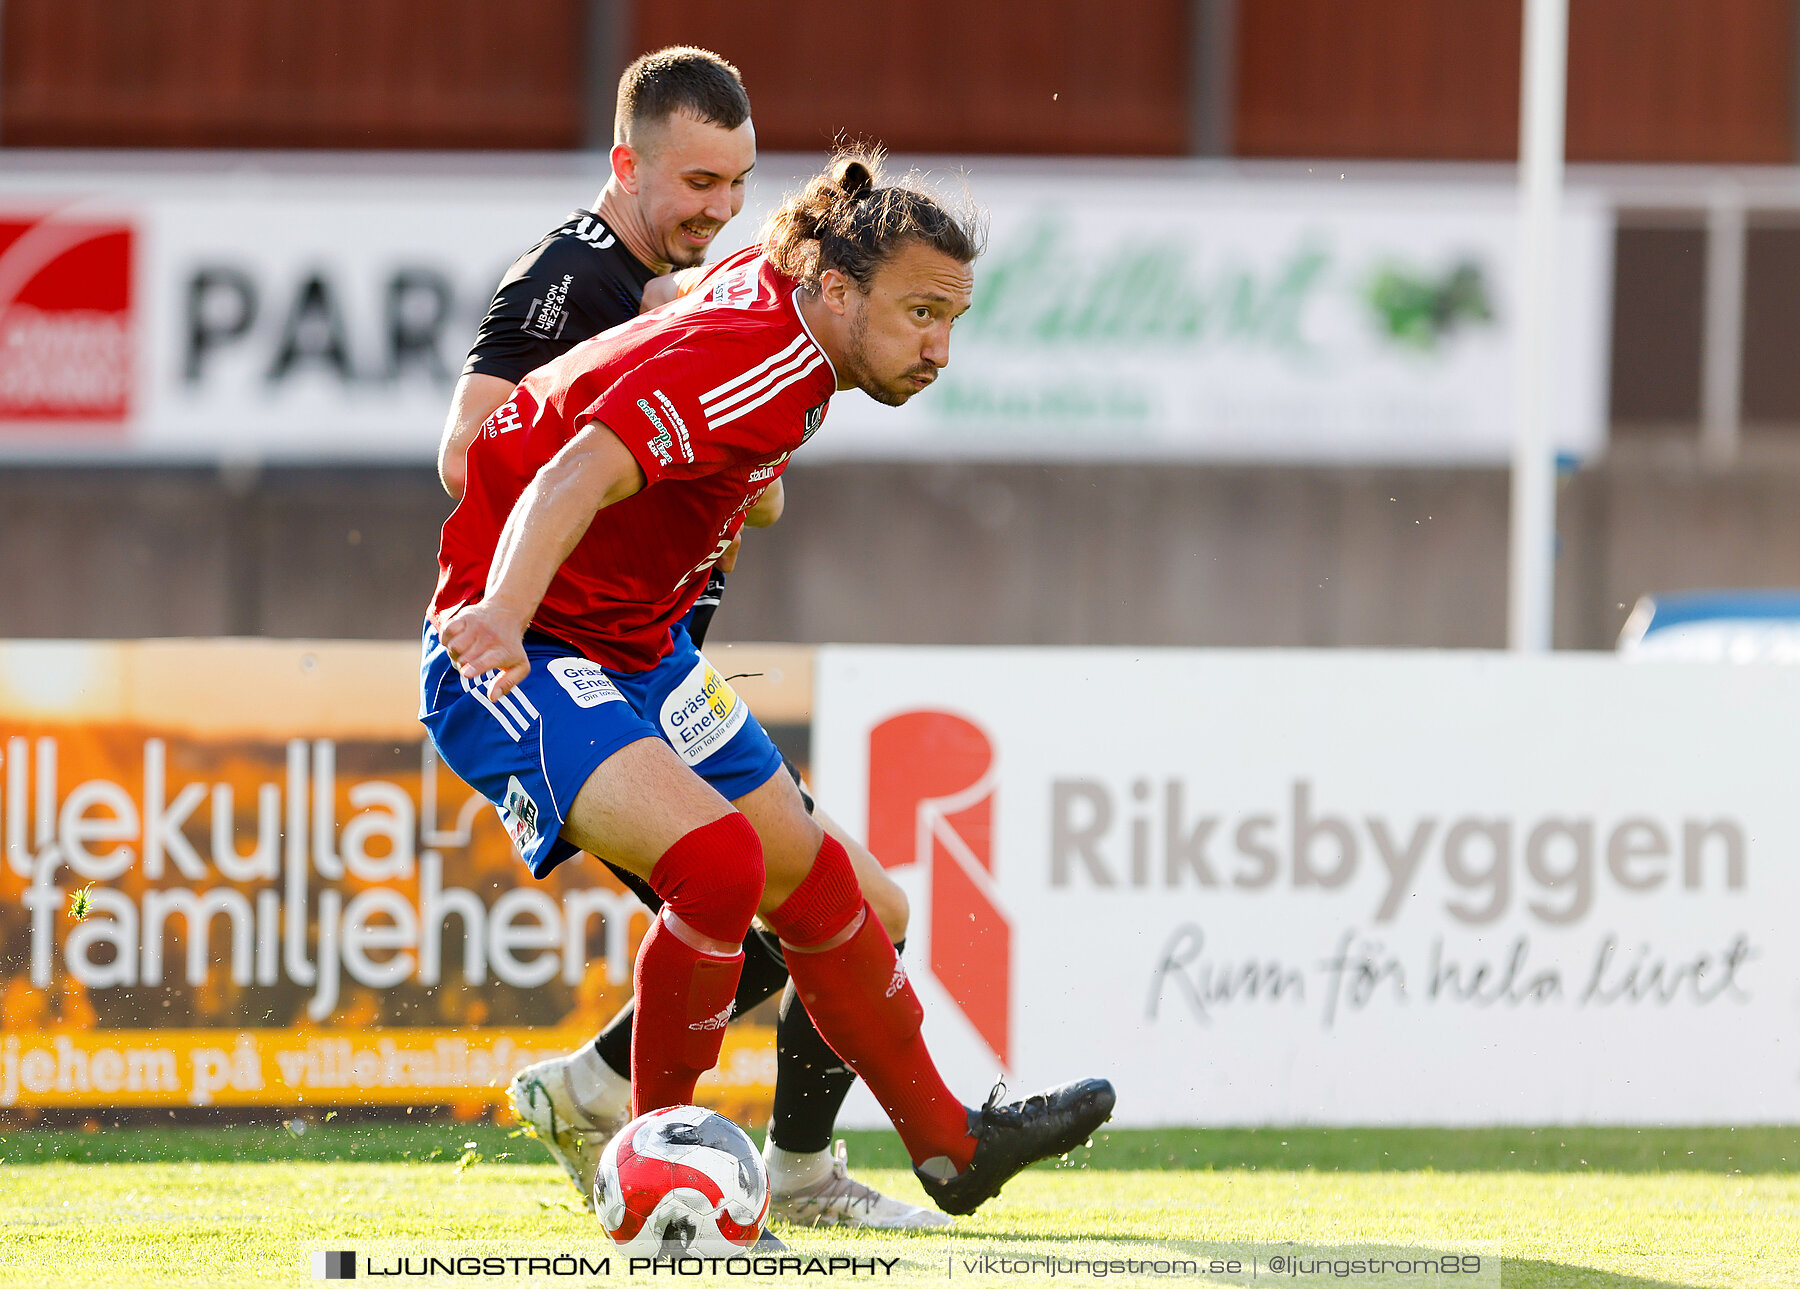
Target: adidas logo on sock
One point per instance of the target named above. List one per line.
(899, 981)
(716, 1022)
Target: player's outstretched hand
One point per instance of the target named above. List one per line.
(481, 638)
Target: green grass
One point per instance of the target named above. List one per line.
(1619, 1208)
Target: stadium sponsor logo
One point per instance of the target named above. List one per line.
(329, 327)
(67, 348)
(1361, 972)
(179, 896)
(681, 429)
(250, 1067)
(586, 682)
(701, 714)
(1106, 836)
(661, 446)
(42, 1066)
(932, 780)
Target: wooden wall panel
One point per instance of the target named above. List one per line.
(1682, 80)
(1054, 76)
(1397, 78)
(1649, 80)
(291, 73)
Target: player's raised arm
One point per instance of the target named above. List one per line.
(592, 471)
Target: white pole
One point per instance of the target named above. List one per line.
(1532, 582)
(1722, 334)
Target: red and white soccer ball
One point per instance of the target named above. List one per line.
(681, 1182)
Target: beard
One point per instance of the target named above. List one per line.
(683, 256)
(857, 357)
(686, 257)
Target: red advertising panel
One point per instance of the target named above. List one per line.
(66, 327)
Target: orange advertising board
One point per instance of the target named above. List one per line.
(289, 900)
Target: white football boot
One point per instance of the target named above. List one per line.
(838, 1199)
(546, 1098)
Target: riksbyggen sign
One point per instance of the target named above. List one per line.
(1280, 887)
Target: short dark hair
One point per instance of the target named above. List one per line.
(680, 78)
(844, 219)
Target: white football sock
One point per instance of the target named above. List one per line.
(792, 1170)
(594, 1086)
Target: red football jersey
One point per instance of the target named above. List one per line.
(711, 394)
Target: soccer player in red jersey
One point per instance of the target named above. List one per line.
(558, 681)
(684, 148)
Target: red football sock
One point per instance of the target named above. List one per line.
(850, 979)
(687, 968)
(683, 1001)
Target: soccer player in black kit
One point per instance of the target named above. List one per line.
(683, 148)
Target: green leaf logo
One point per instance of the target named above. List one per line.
(1417, 310)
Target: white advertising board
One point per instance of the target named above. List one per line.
(1122, 311)
(1141, 316)
(1344, 888)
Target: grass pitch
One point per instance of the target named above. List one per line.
(1619, 1208)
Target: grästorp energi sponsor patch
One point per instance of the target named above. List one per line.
(702, 713)
(587, 684)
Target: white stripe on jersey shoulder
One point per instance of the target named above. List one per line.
(807, 356)
(813, 364)
(794, 299)
(707, 398)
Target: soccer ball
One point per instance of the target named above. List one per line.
(681, 1182)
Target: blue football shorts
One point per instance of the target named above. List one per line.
(530, 752)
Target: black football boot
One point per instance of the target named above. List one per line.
(1013, 1136)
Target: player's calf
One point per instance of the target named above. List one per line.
(880, 890)
(687, 968)
(850, 979)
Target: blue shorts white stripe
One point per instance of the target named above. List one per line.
(531, 751)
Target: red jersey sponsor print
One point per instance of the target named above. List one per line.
(711, 396)
(65, 320)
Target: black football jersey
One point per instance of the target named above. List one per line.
(575, 283)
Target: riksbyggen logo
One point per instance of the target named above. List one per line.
(931, 802)
(66, 346)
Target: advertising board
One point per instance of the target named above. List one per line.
(1148, 311)
(1355, 888)
(283, 897)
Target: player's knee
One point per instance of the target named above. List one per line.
(825, 903)
(890, 905)
(712, 879)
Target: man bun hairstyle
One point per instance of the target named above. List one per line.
(681, 78)
(846, 219)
